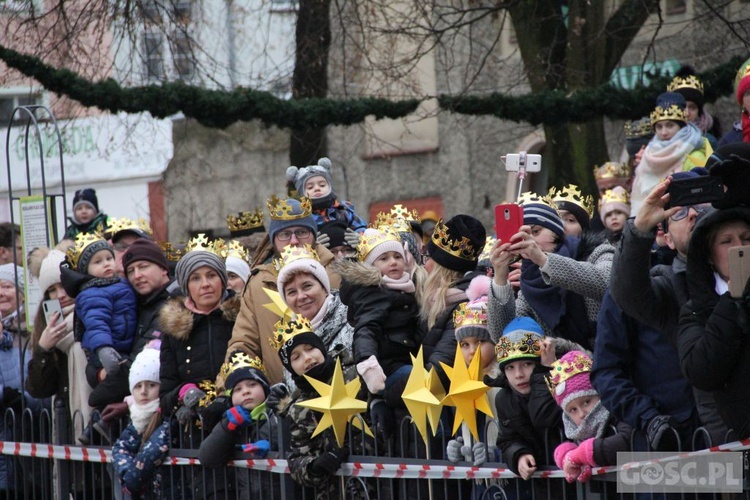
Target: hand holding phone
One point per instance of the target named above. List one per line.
(508, 220)
(50, 307)
(694, 191)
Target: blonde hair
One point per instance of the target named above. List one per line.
(432, 296)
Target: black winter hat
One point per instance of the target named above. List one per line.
(448, 248)
(247, 373)
(87, 196)
(311, 338)
(335, 231)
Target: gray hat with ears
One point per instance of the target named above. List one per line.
(300, 175)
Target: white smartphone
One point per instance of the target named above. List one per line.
(533, 162)
(739, 270)
(50, 307)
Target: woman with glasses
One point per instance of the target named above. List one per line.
(291, 225)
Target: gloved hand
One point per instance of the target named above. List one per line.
(113, 411)
(330, 461)
(276, 393)
(584, 454)
(456, 451)
(660, 434)
(192, 397)
(237, 417)
(585, 474)
(184, 415)
(323, 239)
(493, 381)
(479, 452)
(372, 373)
(259, 449)
(351, 237)
(110, 359)
(12, 398)
(572, 470)
(382, 417)
(562, 451)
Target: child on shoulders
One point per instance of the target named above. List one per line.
(87, 218)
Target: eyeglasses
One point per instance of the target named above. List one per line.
(683, 212)
(299, 233)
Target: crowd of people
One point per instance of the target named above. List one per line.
(600, 327)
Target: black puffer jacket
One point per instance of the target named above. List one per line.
(385, 320)
(148, 316)
(714, 336)
(193, 346)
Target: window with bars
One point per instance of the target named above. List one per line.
(182, 54)
(9, 102)
(153, 50)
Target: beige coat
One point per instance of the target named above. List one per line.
(254, 325)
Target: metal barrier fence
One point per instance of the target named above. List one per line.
(40, 459)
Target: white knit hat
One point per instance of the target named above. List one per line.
(49, 271)
(238, 266)
(145, 367)
(388, 245)
(310, 266)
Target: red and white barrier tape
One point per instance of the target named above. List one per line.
(360, 469)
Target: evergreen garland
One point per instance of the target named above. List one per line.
(219, 109)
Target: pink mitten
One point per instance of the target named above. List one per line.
(563, 450)
(373, 374)
(585, 474)
(584, 454)
(571, 469)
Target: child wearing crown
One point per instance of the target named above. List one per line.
(588, 425)
(105, 309)
(144, 444)
(243, 427)
(382, 307)
(614, 211)
(314, 181)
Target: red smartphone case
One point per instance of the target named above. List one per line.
(508, 220)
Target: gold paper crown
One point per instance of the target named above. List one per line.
(611, 170)
(241, 360)
(245, 220)
(209, 388)
(470, 316)
(673, 112)
(291, 253)
(125, 224)
(73, 254)
(572, 194)
(687, 82)
(462, 249)
(488, 244)
(528, 346)
(615, 196)
(638, 128)
(563, 370)
(201, 243)
(367, 242)
(284, 331)
(172, 253)
(397, 219)
(282, 210)
(235, 249)
(530, 197)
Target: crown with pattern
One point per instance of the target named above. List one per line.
(285, 331)
(563, 370)
(611, 170)
(241, 360)
(291, 253)
(73, 254)
(488, 244)
(369, 241)
(462, 249)
(531, 197)
(615, 196)
(685, 82)
(208, 387)
(282, 210)
(529, 345)
(235, 249)
(572, 194)
(202, 243)
(672, 112)
(172, 253)
(636, 129)
(245, 220)
(397, 219)
(469, 316)
(125, 224)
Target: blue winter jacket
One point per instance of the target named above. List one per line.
(109, 315)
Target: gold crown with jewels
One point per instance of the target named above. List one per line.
(291, 253)
(685, 82)
(528, 346)
(236, 249)
(171, 252)
(464, 315)
(611, 170)
(73, 254)
(572, 194)
(673, 112)
(462, 249)
(202, 243)
(489, 242)
(530, 197)
(636, 129)
(563, 370)
(245, 220)
(397, 219)
(615, 196)
(241, 360)
(284, 331)
(281, 209)
(367, 242)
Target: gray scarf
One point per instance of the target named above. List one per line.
(594, 425)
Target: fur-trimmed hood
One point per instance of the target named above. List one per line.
(357, 273)
(177, 320)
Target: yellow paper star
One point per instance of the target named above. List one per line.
(422, 395)
(337, 403)
(277, 304)
(467, 392)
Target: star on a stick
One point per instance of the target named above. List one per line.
(467, 392)
(337, 403)
(423, 395)
(277, 305)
